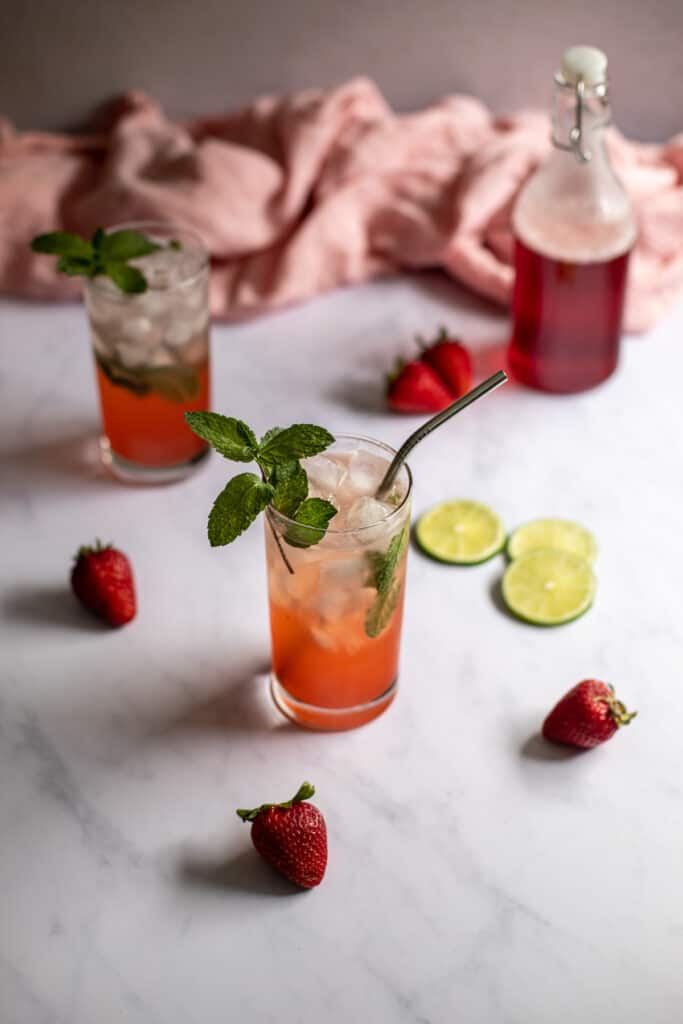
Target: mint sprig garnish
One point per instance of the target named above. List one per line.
(283, 483)
(105, 254)
(383, 578)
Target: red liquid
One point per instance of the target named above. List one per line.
(150, 429)
(566, 320)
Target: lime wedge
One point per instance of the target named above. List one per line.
(559, 534)
(548, 587)
(462, 532)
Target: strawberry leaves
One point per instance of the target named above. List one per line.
(105, 254)
(283, 483)
(305, 791)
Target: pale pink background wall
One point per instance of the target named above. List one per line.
(58, 57)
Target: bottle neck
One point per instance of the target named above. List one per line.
(574, 208)
(580, 116)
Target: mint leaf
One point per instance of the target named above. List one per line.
(230, 437)
(291, 487)
(126, 245)
(128, 279)
(382, 577)
(379, 614)
(62, 243)
(123, 377)
(174, 383)
(75, 266)
(236, 507)
(296, 442)
(313, 515)
(268, 436)
(385, 565)
(375, 560)
(98, 238)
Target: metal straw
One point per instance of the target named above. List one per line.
(487, 385)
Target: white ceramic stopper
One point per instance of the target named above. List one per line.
(584, 62)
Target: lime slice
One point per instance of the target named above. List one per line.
(548, 587)
(560, 534)
(462, 532)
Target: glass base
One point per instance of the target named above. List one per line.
(136, 473)
(329, 719)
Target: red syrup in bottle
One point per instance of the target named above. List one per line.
(567, 320)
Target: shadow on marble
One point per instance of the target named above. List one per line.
(439, 285)
(177, 706)
(496, 595)
(536, 748)
(48, 605)
(58, 465)
(361, 394)
(244, 872)
(240, 703)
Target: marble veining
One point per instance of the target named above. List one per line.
(475, 874)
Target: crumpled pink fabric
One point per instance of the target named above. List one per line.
(296, 195)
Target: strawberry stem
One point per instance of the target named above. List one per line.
(441, 335)
(618, 710)
(92, 549)
(305, 790)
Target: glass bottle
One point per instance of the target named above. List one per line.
(574, 229)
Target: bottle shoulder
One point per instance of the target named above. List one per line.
(575, 211)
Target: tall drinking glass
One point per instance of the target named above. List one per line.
(336, 606)
(152, 358)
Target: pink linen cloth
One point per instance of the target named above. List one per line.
(296, 195)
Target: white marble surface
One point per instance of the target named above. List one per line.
(474, 874)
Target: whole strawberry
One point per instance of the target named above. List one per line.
(442, 373)
(102, 580)
(415, 387)
(586, 716)
(451, 361)
(291, 837)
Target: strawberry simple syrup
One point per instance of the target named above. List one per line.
(567, 320)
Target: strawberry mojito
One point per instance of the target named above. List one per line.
(146, 292)
(336, 561)
(152, 357)
(336, 608)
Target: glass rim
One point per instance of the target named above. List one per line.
(168, 227)
(390, 517)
